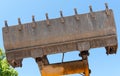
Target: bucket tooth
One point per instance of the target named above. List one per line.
(91, 12)
(19, 25)
(33, 20)
(6, 25)
(47, 19)
(106, 5)
(62, 18)
(19, 21)
(76, 14)
(107, 9)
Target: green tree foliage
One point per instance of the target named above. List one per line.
(5, 68)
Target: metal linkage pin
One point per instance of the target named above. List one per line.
(20, 25)
(62, 18)
(107, 9)
(76, 14)
(47, 19)
(33, 20)
(91, 11)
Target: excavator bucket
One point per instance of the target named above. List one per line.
(77, 32)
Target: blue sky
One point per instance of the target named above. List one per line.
(99, 62)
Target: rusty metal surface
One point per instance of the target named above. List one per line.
(78, 45)
(57, 32)
(77, 32)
